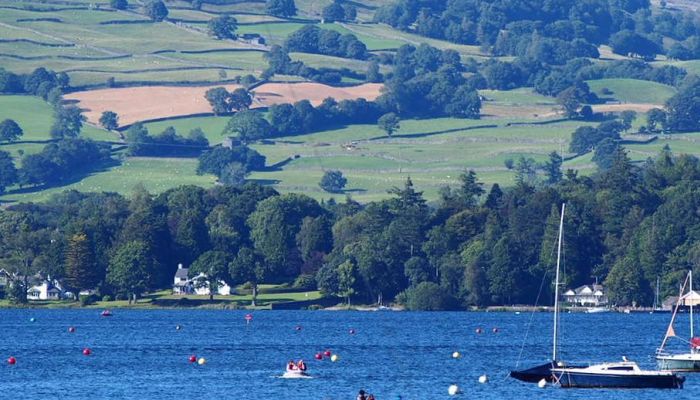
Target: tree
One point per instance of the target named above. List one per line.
(219, 99)
(389, 123)
(628, 116)
(118, 4)
(233, 174)
(81, 266)
(249, 126)
(657, 120)
(428, 296)
(552, 168)
(629, 43)
(131, 269)
(471, 189)
(333, 181)
(249, 267)
(8, 171)
(333, 12)
(417, 270)
(223, 27)
(570, 102)
(605, 153)
(109, 120)
(68, 121)
(240, 99)
(281, 8)
(156, 10)
(213, 265)
(346, 279)
(373, 74)
(684, 107)
(9, 131)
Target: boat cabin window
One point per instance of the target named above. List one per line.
(620, 368)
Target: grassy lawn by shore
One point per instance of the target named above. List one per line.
(269, 294)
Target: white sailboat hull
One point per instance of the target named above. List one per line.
(689, 362)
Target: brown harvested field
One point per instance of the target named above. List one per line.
(147, 103)
(638, 107)
(275, 93)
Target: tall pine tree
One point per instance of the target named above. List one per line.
(81, 271)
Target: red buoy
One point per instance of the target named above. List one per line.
(327, 353)
(193, 359)
(12, 360)
(71, 329)
(248, 317)
(318, 356)
(87, 351)
(478, 330)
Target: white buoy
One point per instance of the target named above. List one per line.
(456, 354)
(542, 383)
(453, 390)
(483, 379)
(335, 358)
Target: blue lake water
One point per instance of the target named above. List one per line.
(138, 354)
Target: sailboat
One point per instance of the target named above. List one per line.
(625, 374)
(686, 362)
(544, 371)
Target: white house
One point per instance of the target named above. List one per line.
(182, 284)
(587, 295)
(690, 299)
(45, 291)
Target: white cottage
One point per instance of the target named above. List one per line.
(45, 291)
(587, 296)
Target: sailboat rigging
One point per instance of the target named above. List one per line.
(544, 371)
(689, 361)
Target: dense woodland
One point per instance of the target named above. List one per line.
(625, 227)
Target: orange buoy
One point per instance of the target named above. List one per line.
(12, 360)
(87, 351)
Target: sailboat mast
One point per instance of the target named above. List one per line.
(556, 285)
(690, 297)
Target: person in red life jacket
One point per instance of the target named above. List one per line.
(291, 366)
(301, 365)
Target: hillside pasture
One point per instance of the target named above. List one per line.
(155, 174)
(632, 91)
(35, 117)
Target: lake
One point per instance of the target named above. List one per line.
(138, 354)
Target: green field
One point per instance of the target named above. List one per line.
(35, 117)
(156, 174)
(212, 126)
(632, 90)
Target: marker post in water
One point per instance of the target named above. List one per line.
(248, 318)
